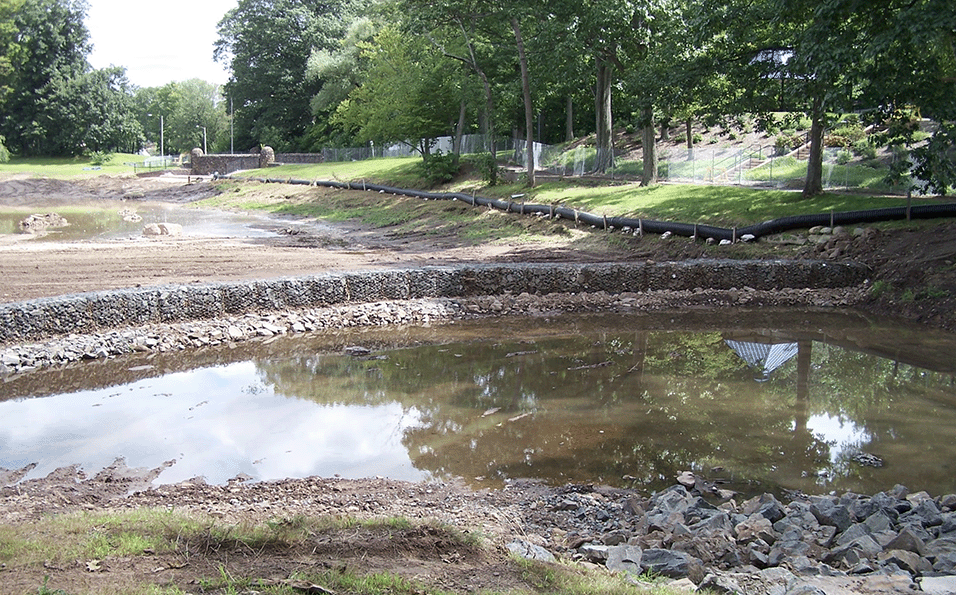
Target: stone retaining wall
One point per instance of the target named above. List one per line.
(90, 312)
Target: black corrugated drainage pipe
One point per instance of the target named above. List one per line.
(646, 225)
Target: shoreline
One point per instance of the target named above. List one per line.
(888, 542)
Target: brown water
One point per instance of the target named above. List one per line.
(621, 400)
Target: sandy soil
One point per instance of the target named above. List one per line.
(32, 269)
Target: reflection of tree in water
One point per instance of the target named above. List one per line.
(603, 406)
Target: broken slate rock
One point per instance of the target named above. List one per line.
(529, 551)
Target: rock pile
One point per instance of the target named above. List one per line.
(38, 223)
(163, 229)
(680, 534)
(834, 242)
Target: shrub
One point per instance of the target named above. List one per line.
(879, 288)
(865, 148)
(100, 157)
(486, 166)
(785, 143)
(697, 138)
(438, 167)
(832, 140)
(843, 157)
(852, 132)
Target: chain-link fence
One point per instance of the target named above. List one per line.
(755, 165)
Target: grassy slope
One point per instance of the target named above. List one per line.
(714, 205)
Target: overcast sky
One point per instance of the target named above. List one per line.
(157, 42)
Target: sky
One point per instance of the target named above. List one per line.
(158, 43)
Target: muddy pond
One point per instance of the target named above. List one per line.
(106, 222)
(753, 400)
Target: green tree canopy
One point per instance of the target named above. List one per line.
(408, 95)
(53, 102)
(267, 44)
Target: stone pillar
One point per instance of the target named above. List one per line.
(266, 156)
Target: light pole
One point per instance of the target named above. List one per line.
(203, 138)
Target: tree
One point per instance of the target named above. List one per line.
(469, 32)
(610, 30)
(50, 49)
(526, 95)
(407, 96)
(93, 111)
(338, 71)
(907, 58)
(10, 47)
(267, 44)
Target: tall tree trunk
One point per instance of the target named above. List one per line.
(489, 115)
(604, 159)
(649, 147)
(813, 185)
(569, 121)
(460, 128)
(526, 91)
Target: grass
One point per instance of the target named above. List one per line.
(399, 171)
(852, 175)
(709, 204)
(96, 538)
(61, 167)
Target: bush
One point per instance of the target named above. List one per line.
(865, 148)
(439, 168)
(784, 143)
(843, 157)
(852, 132)
(486, 166)
(696, 138)
(100, 158)
(4, 152)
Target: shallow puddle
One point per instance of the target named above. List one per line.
(105, 221)
(757, 401)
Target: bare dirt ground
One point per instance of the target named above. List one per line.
(903, 258)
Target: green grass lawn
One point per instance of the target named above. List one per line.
(710, 204)
(65, 167)
(397, 171)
